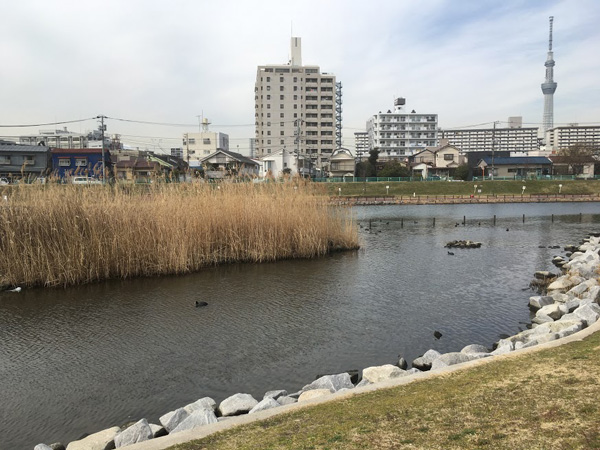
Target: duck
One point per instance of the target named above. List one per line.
(199, 304)
(451, 253)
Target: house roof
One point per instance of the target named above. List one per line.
(236, 156)
(23, 148)
(582, 159)
(516, 160)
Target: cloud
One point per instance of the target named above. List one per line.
(469, 62)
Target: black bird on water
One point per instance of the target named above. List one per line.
(199, 304)
(450, 253)
(507, 229)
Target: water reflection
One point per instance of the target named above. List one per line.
(81, 359)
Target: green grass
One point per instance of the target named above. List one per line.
(546, 400)
(462, 188)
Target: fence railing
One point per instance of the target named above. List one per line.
(513, 178)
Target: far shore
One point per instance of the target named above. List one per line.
(459, 199)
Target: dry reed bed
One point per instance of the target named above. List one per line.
(64, 235)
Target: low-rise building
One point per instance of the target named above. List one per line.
(80, 161)
(197, 146)
(515, 167)
(226, 164)
(23, 161)
(440, 161)
(342, 163)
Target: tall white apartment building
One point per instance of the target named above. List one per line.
(295, 109)
(559, 138)
(197, 146)
(361, 143)
(402, 134)
(513, 138)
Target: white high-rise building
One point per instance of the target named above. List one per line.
(361, 141)
(402, 134)
(295, 109)
(561, 138)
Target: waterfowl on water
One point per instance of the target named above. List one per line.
(199, 304)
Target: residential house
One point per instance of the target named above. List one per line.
(226, 164)
(68, 162)
(23, 161)
(515, 167)
(275, 165)
(342, 163)
(438, 161)
(580, 166)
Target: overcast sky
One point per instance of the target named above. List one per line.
(469, 61)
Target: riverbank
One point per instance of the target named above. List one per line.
(464, 188)
(460, 199)
(54, 235)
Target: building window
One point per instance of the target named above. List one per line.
(268, 115)
(295, 97)
(281, 115)
(79, 162)
(295, 88)
(295, 115)
(281, 88)
(6, 160)
(281, 106)
(268, 150)
(295, 106)
(268, 124)
(281, 124)
(268, 106)
(206, 141)
(268, 97)
(448, 157)
(269, 133)
(268, 141)
(268, 88)
(295, 79)
(282, 141)
(268, 79)
(62, 162)
(281, 97)
(281, 133)
(281, 79)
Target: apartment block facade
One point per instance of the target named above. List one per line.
(513, 138)
(559, 138)
(295, 109)
(361, 143)
(402, 134)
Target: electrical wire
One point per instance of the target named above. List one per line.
(46, 124)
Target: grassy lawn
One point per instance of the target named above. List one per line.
(546, 400)
(461, 188)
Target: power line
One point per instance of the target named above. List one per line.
(46, 124)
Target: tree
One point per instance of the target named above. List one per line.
(373, 156)
(462, 172)
(574, 158)
(364, 169)
(394, 169)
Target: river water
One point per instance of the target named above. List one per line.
(86, 358)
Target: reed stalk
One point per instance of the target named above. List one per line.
(60, 235)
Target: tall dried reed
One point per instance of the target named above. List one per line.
(55, 235)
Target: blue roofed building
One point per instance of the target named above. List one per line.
(514, 167)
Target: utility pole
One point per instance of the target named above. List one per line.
(298, 131)
(493, 147)
(187, 151)
(103, 162)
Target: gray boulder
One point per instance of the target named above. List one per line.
(412, 371)
(542, 318)
(197, 418)
(538, 301)
(474, 348)
(561, 284)
(593, 293)
(578, 290)
(376, 374)
(286, 400)
(541, 339)
(173, 418)
(42, 447)
(332, 382)
(138, 432)
(555, 311)
(237, 404)
(203, 403)
(313, 393)
(450, 359)
(402, 363)
(275, 394)
(57, 446)
(572, 305)
(424, 362)
(572, 326)
(588, 313)
(363, 382)
(102, 440)
(158, 430)
(265, 403)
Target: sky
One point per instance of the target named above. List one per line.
(168, 63)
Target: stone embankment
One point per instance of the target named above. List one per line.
(459, 199)
(570, 304)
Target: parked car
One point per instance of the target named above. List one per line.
(85, 180)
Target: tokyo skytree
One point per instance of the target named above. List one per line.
(549, 87)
